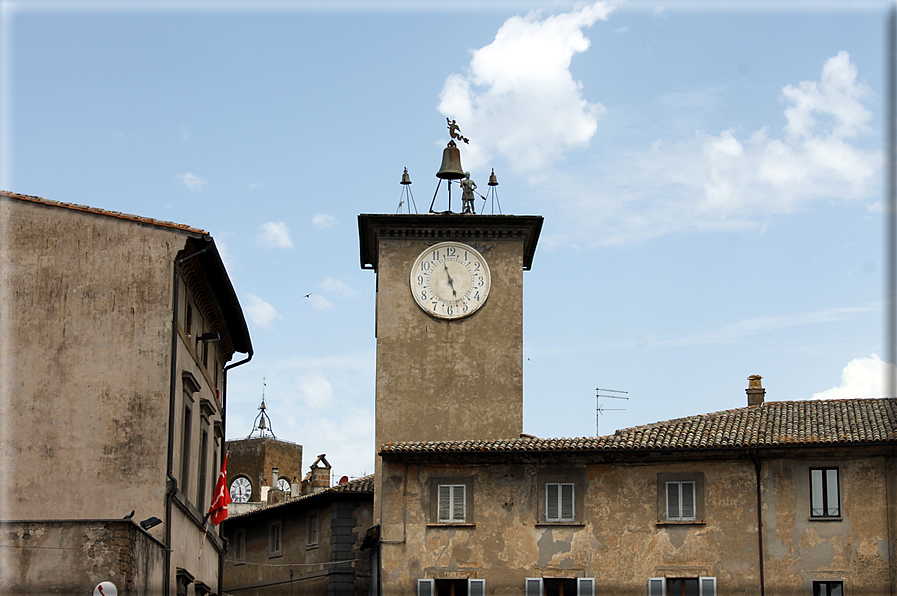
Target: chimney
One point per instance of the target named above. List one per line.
(320, 475)
(755, 391)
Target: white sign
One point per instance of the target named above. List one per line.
(105, 589)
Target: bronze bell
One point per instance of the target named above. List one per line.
(406, 179)
(451, 163)
(493, 181)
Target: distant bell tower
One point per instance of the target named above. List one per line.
(449, 318)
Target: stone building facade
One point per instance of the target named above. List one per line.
(781, 498)
(310, 545)
(118, 333)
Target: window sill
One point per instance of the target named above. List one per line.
(826, 518)
(560, 524)
(311, 546)
(452, 525)
(672, 522)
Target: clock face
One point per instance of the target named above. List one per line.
(283, 484)
(240, 489)
(450, 280)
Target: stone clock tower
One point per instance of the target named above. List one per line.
(449, 323)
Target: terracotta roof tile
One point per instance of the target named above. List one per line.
(98, 211)
(845, 421)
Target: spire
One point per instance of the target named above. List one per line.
(262, 422)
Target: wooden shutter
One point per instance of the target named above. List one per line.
(655, 584)
(708, 586)
(585, 586)
(458, 504)
(445, 503)
(476, 587)
(551, 502)
(533, 586)
(688, 500)
(567, 502)
(425, 587)
(673, 508)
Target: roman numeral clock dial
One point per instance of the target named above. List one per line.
(450, 280)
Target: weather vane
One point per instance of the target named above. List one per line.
(455, 131)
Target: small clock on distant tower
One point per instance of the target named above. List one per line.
(450, 280)
(240, 489)
(284, 485)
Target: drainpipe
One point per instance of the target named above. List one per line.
(170, 481)
(761, 556)
(223, 441)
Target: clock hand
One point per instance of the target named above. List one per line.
(454, 293)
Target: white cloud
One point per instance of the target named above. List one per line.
(519, 100)
(260, 312)
(275, 235)
(723, 182)
(322, 221)
(317, 390)
(337, 286)
(194, 183)
(862, 377)
(319, 302)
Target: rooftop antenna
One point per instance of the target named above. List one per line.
(407, 198)
(599, 409)
(262, 422)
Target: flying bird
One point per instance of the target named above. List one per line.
(307, 295)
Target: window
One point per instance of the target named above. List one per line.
(828, 588)
(824, 494)
(203, 464)
(680, 498)
(185, 442)
(557, 586)
(275, 539)
(451, 587)
(311, 536)
(682, 586)
(559, 501)
(452, 499)
(239, 546)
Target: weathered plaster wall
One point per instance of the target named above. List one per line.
(73, 557)
(618, 538)
(853, 548)
(90, 302)
(449, 380)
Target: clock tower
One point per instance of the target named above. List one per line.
(449, 323)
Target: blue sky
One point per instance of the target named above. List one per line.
(710, 176)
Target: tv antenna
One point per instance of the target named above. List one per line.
(599, 409)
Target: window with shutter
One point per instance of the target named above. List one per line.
(452, 503)
(476, 587)
(682, 586)
(828, 588)
(585, 586)
(680, 500)
(425, 587)
(533, 586)
(559, 499)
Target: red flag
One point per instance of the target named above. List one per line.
(218, 509)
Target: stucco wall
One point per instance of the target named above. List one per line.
(447, 380)
(617, 536)
(73, 557)
(89, 327)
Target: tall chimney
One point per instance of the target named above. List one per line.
(755, 391)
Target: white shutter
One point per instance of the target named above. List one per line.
(585, 586)
(708, 586)
(567, 502)
(673, 511)
(688, 500)
(533, 586)
(445, 503)
(458, 497)
(655, 584)
(476, 587)
(425, 587)
(551, 502)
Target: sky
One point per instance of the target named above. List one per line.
(710, 174)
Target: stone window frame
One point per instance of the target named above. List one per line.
(700, 497)
(240, 546)
(427, 587)
(467, 482)
(312, 528)
(275, 538)
(535, 586)
(574, 476)
(823, 587)
(657, 586)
